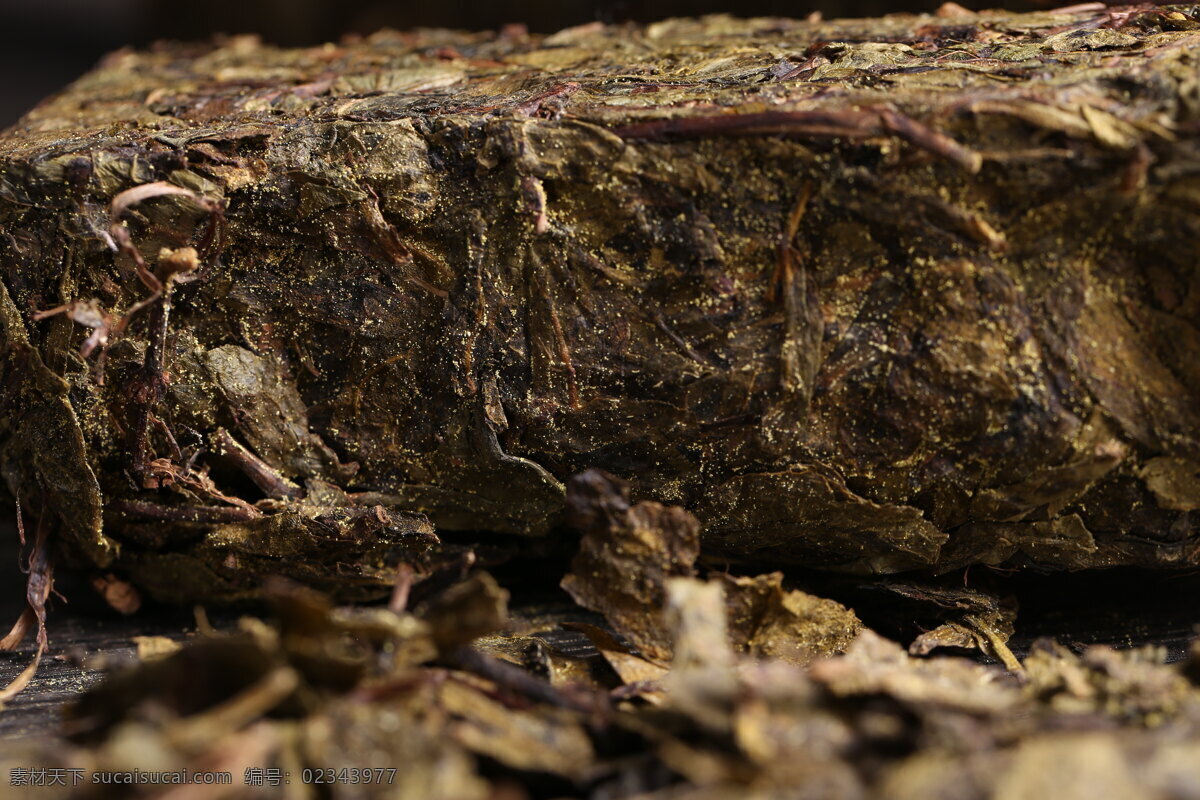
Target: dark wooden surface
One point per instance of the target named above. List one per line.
(81, 647)
(1122, 609)
(86, 637)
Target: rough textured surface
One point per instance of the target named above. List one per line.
(875, 295)
(333, 689)
(631, 553)
(627, 555)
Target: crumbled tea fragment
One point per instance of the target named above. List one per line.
(766, 620)
(627, 555)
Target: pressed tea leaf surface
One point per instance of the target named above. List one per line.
(873, 295)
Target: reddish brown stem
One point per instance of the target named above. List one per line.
(264, 476)
(402, 588)
(518, 682)
(928, 139)
(38, 587)
(809, 124)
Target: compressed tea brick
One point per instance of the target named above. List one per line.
(875, 295)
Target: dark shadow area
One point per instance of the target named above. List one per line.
(1122, 608)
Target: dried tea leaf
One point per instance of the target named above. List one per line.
(535, 739)
(872, 723)
(1129, 684)
(629, 666)
(767, 621)
(1175, 482)
(1073, 40)
(120, 595)
(387, 736)
(702, 680)
(206, 674)
(975, 620)
(1070, 767)
(627, 554)
(475, 607)
(873, 664)
(152, 648)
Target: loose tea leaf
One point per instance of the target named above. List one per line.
(631, 553)
(630, 667)
(872, 295)
(627, 555)
(976, 620)
(327, 687)
(150, 648)
(766, 620)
